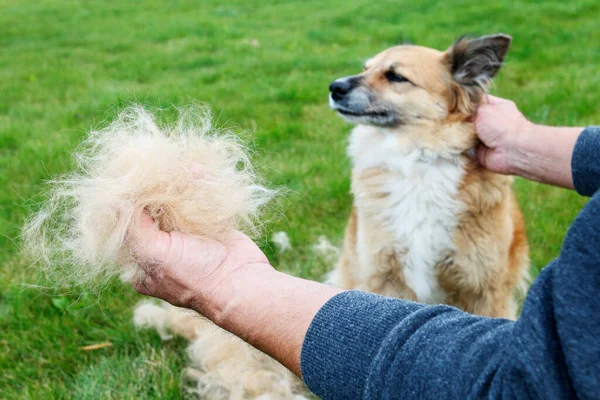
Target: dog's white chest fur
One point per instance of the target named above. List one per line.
(414, 201)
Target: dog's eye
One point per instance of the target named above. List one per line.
(394, 77)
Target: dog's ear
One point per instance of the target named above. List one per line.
(477, 61)
(473, 63)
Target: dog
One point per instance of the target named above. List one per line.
(428, 223)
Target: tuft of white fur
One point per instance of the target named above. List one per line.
(188, 176)
(148, 315)
(222, 366)
(282, 241)
(325, 248)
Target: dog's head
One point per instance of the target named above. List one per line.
(408, 85)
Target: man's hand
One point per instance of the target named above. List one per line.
(499, 123)
(187, 271)
(510, 144)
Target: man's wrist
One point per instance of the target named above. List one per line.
(543, 154)
(221, 301)
(268, 309)
(522, 149)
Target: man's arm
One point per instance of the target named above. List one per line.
(272, 311)
(543, 154)
(359, 345)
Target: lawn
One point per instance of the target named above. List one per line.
(67, 65)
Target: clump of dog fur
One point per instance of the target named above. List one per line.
(189, 176)
(222, 366)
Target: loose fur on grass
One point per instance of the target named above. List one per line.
(189, 177)
(222, 366)
(281, 240)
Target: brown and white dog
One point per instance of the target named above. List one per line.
(428, 223)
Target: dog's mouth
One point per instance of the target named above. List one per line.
(362, 113)
(381, 117)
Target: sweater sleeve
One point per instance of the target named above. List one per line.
(366, 346)
(584, 164)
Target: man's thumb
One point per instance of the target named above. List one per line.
(482, 154)
(149, 243)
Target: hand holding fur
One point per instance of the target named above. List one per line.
(190, 272)
(189, 177)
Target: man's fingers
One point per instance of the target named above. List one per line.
(144, 286)
(147, 222)
(482, 153)
(493, 100)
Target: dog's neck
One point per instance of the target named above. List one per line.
(427, 142)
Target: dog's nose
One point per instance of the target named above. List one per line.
(339, 88)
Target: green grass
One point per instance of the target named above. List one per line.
(66, 65)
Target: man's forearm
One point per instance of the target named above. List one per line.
(269, 309)
(543, 154)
